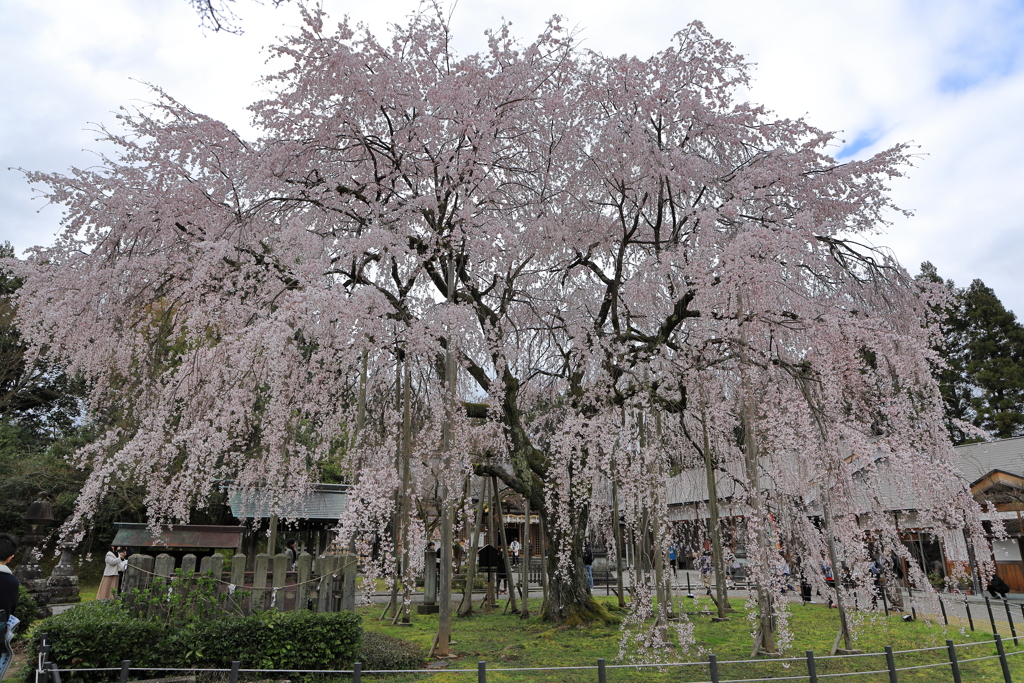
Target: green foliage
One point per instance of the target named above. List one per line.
(185, 599)
(381, 652)
(103, 633)
(26, 611)
(34, 461)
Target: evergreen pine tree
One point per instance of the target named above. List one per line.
(983, 349)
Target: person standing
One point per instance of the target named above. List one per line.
(8, 582)
(8, 600)
(291, 552)
(513, 548)
(114, 562)
(120, 574)
(502, 574)
(706, 565)
(588, 566)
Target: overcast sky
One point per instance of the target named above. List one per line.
(945, 75)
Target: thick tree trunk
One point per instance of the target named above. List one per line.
(568, 597)
(570, 602)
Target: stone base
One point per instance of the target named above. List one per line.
(841, 651)
(57, 609)
(718, 620)
(65, 600)
(63, 584)
(428, 609)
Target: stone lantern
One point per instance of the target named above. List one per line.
(28, 572)
(62, 586)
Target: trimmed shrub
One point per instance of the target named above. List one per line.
(272, 640)
(381, 652)
(102, 633)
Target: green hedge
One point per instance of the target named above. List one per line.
(101, 634)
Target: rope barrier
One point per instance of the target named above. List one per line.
(977, 659)
(851, 673)
(923, 666)
(858, 654)
(920, 649)
(335, 574)
(644, 666)
(762, 678)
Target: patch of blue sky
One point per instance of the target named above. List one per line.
(863, 140)
(970, 75)
(994, 50)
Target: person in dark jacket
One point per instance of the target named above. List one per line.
(997, 587)
(588, 568)
(8, 582)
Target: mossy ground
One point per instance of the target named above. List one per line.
(506, 641)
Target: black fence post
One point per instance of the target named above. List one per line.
(125, 665)
(481, 672)
(43, 672)
(233, 678)
(713, 666)
(954, 665)
(890, 662)
(54, 673)
(942, 607)
(992, 619)
(357, 672)
(970, 619)
(1009, 618)
(812, 669)
(1002, 659)
(602, 676)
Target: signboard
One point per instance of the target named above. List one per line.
(488, 558)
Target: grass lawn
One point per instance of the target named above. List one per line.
(508, 641)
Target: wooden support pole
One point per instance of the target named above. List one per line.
(509, 576)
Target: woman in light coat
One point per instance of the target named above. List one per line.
(114, 562)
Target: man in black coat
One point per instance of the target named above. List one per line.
(8, 583)
(997, 587)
